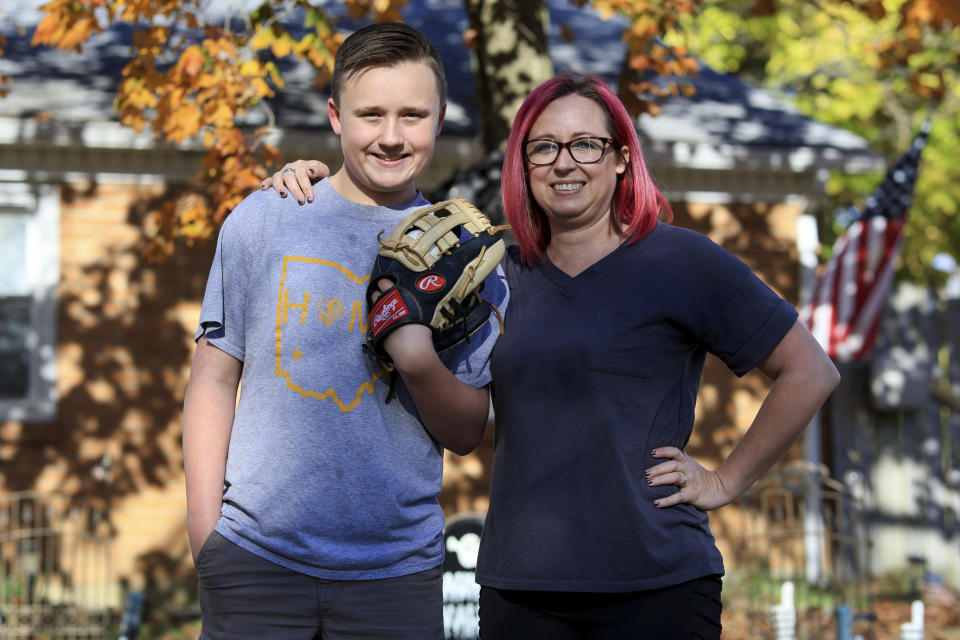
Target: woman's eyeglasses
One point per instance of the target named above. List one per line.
(582, 150)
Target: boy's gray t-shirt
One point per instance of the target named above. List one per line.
(322, 476)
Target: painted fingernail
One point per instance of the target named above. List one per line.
(656, 503)
(283, 194)
(647, 473)
(310, 199)
(299, 201)
(311, 171)
(654, 452)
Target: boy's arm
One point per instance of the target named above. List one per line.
(454, 412)
(208, 408)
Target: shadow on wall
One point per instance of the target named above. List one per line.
(726, 404)
(895, 434)
(169, 584)
(123, 355)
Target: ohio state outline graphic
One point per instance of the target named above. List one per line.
(318, 295)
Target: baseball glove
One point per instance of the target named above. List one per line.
(436, 259)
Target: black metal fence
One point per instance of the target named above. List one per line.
(56, 579)
(796, 524)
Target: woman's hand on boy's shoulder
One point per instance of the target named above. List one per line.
(297, 178)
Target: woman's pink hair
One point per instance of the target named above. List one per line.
(637, 203)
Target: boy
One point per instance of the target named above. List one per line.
(312, 508)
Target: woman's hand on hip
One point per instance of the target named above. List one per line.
(698, 486)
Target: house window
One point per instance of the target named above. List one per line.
(29, 271)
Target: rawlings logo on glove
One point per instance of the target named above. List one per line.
(432, 282)
(386, 312)
(436, 260)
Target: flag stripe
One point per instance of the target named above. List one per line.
(848, 298)
(868, 323)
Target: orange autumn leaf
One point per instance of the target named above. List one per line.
(183, 123)
(47, 29)
(191, 61)
(937, 13)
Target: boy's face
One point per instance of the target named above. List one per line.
(388, 121)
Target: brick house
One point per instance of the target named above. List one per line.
(95, 342)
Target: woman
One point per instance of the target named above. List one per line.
(597, 526)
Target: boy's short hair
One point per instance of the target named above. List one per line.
(384, 44)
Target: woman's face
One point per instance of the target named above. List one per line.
(574, 195)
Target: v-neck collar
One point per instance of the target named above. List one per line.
(561, 278)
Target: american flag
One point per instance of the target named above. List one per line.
(849, 296)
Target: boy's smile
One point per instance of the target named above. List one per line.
(388, 120)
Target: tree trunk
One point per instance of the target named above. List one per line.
(512, 58)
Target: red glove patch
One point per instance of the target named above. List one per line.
(387, 310)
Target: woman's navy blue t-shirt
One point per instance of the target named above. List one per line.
(592, 373)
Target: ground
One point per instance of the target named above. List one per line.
(881, 622)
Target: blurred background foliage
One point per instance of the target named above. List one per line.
(877, 68)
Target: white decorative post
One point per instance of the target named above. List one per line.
(913, 630)
(785, 614)
(807, 244)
